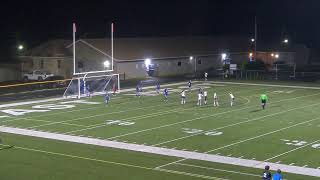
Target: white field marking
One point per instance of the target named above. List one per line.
(84, 109)
(30, 102)
(101, 107)
(278, 162)
(249, 139)
(269, 85)
(4, 116)
(303, 171)
(229, 155)
(141, 117)
(240, 157)
(69, 124)
(58, 99)
(203, 117)
(242, 122)
(291, 164)
(80, 130)
(262, 135)
(292, 150)
(69, 111)
(98, 115)
(221, 170)
(305, 166)
(190, 174)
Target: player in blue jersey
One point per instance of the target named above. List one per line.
(166, 94)
(138, 91)
(107, 98)
(88, 94)
(189, 85)
(158, 88)
(277, 175)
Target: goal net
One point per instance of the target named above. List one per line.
(92, 85)
(283, 71)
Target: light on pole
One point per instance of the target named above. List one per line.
(20, 47)
(286, 41)
(106, 64)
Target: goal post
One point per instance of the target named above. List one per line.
(92, 85)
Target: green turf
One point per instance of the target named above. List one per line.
(247, 132)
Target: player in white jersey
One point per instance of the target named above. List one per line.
(205, 94)
(215, 100)
(199, 99)
(231, 99)
(205, 76)
(183, 97)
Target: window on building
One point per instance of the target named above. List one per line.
(59, 64)
(137, 66)
(179, 63)
(31, 64)
(41, 64)
(199, 61)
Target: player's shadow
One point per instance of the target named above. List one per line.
(5, 148)
(257, 110)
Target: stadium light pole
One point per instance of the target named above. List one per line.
(191, 58)
(255, 37)
(20, 47)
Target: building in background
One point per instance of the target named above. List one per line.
(168, 56)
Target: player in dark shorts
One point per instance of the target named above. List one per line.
(266, 173)
(264, 99)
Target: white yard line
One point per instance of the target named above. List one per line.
(131, 118)
(168, 152)
(215, 169)
(295, 149)
(246, 140)
(239, 123)
(202, 117)
(30, 102)
(190, 174)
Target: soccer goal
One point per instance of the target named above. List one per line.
(92, 70)
(284, 71)
(91, 85)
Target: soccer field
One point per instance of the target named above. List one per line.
(147, 138)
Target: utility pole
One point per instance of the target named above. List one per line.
(255, 37)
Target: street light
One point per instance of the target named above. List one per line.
(252, 39)
(147, 62)
(191, 58)
(286, 41)
(223, 56)
(20, 47)
(250, 54)
(272, 55)
(106, 64)
(276, 56)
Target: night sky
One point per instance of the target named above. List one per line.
(31, 22)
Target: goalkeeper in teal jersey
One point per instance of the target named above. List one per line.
(264, 99)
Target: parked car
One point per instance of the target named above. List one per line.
(36, 75)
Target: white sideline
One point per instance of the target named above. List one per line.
(164, 151)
